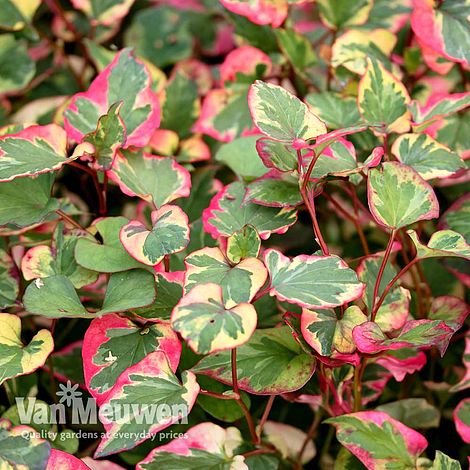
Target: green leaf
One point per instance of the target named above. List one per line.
(383, 99)
(329, 335)
(207, 325)
(244, 243)
(15, 73)
(128, 290)
(34, 150)
(413, 412)
(444, 462)
(229, 212)
(147, 386)
(457, 217)
(329, 279)
(239, 283)
(275, 189)
(181, 106)
(169, 234)
(18, 359)
(27, 201)
(281, 115)
(155, 179)
(443, 243)
(398, 196)
(54, 297)
(21, 448)
(9, 286)
(338, 14)
(241, 157)
(15, 15)
(109, 136)
(427, 156)
(272, 362)
(108, 256)
(378, 440)
(107, 13)
(162, 46)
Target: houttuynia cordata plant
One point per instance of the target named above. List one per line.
(234, 235)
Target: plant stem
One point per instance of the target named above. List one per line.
(69, 219)
(219, 396)
(358, 373)
(310, 434)
(309, 201)
(241, 403)
(380, 274)
(264, 418)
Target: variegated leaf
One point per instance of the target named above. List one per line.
(444, 27)
(104, 13)
(229, 212)
(239, 282)
(9, 282)
(276, 155)
(383, 100)
(328, 334)
(378, 440)
(112, 344)
(398, 196)
(339, 14)
(18, 359)
(329, 280)
(158, 180)
(64, 461)
(451, 310)
(421, 334)
(457, 217)
(152, 398)
(281, 115)
(444, 462)
(205, 445)
(126, 79)
(262, 12)
(109, 256)
(244, 243)
(272, 362)
(464, 382)
(443, 243)
(169, 234)
(32, 151)
(16, 14)
(427, 156)
(462, 419)
(207, 325)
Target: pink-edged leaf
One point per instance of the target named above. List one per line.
(331, 282)
(438, 106)
(207, 325)
(464, 382)
(280, 115)
(169, 234)
(399, 196)
(462, 419)
(329, 335)
(378, 440)
(126, 79)
(421, 334)
(112, 344)
(164, 142)
(444, 27)
(239, 282)
(402, 362)
(32, 151)
(64, 461)
(101, 464)
(275, 189)
(155, 179)
(457, 216)
(272, 12)
(271, 362)
(276, 155)
(216, 118)
(154, 397)
(230, 212)
(104, 13)
(244, 60)
(205, 445)
(193, 149)
(327, 139)
(442, 244)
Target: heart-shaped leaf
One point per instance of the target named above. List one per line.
(169, 234)
(19, 359)
(272, 362)
(329, 279)
(398, 196)
(154, 397)
(112, 344)
(207, 325)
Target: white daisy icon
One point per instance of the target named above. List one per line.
(68, 393)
